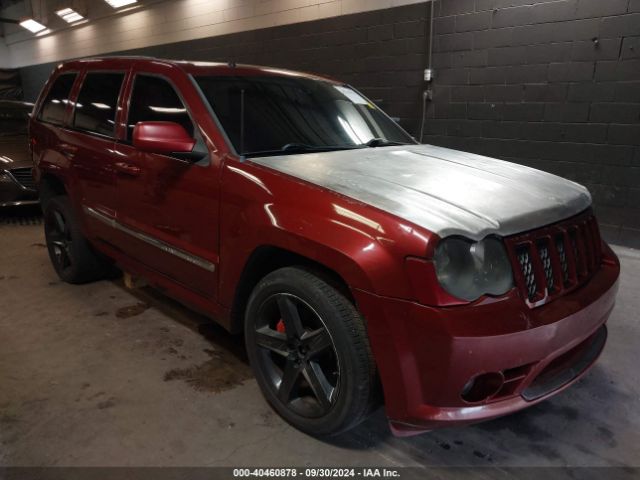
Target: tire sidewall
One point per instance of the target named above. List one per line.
(58, 205)
(297, 282)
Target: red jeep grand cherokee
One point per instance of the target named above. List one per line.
(288, 207)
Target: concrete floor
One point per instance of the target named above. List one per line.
(98, 375)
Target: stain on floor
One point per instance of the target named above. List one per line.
(6, 418)
(223, 371)
(109, 403)
(132, 310)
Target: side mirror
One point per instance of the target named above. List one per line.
(162, 137)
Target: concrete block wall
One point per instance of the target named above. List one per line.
(553, 84)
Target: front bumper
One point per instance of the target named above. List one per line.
(426, 356)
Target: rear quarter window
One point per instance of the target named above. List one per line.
(55, 104)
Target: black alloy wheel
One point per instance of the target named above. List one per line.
(309, 350)
(59, 238)
(297, 354)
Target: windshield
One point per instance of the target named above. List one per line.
(14, 120)
(267, 115)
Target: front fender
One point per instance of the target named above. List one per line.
(364, 245)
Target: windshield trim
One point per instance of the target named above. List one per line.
(415, 142)
(215, 118)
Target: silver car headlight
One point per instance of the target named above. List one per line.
(468, 269)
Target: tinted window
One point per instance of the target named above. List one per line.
(154, 99)
(56, 102)
(284, 113)
(97, 103)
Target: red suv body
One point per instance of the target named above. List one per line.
(162, 187)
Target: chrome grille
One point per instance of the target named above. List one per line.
(545, 258)
(23, 177)
(553, 260)
(524, 258)
(563, 259)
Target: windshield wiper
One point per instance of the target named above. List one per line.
(306, 148)
(381, 142)
(301, 147)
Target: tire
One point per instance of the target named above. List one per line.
(314, 368)
(71, 255)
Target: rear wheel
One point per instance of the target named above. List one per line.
(71, 255)
(309, 349)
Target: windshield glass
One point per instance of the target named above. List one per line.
(14, 120)
(265, 115)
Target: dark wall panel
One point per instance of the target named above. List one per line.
(10, 88)
(551, 84)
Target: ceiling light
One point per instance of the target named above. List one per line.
(69, 15)
(120, 3)
(31, 25)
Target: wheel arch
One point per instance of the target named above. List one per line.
(268, 258)
(50, 186)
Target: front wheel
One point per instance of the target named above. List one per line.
(309, 350)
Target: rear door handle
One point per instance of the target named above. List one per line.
(128, 169)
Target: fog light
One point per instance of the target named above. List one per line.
(482, 387)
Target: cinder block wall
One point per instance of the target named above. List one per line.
(550, 84)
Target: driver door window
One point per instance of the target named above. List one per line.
(153, 100)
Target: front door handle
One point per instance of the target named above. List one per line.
(127, 169)
(68, 150)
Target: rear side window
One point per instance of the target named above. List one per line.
(154, 99)
(97, 103)
(54, 106)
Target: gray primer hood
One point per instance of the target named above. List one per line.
(445, 191)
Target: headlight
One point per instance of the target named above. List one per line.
(468, 270)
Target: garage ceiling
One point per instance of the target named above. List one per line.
(44, 11)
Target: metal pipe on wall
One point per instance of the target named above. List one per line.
(428, 73)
